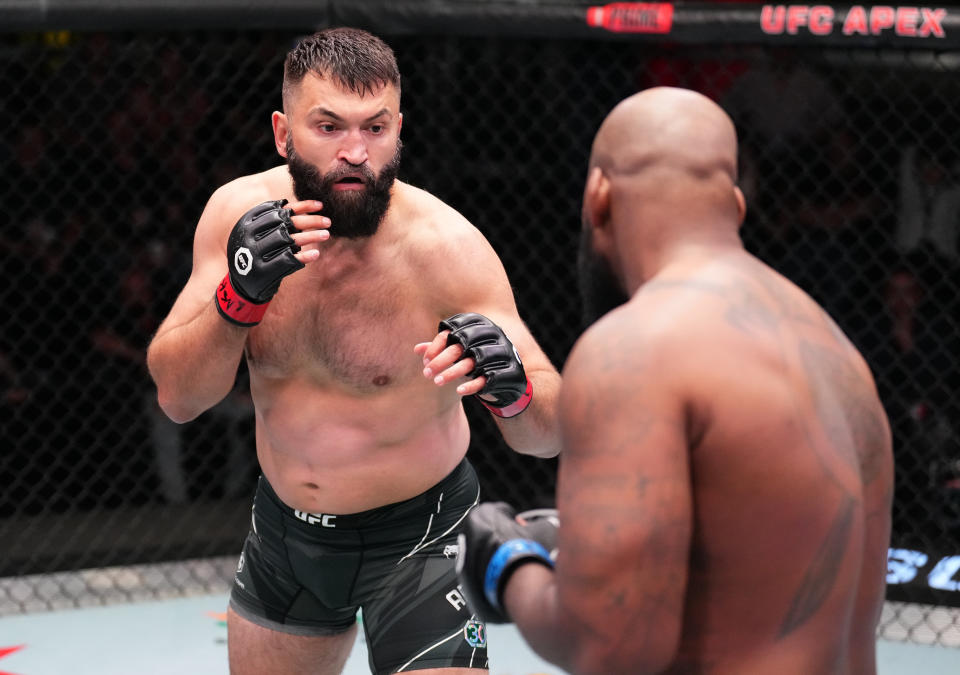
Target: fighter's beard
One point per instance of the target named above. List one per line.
(600, 291)
(353, 213)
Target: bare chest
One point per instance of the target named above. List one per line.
(356, 333)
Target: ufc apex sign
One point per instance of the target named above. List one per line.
(908, 566)
(876, 20)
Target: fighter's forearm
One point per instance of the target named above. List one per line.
(535, 431)
(194, 364)
(530, 599)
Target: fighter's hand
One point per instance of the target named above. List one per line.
(444, 364)
(264, 246)
(495, 541)
(471, 345)
(310, 229)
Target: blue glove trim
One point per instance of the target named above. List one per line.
(508, 552)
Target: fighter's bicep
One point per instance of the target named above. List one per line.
(624, 478)
(623, 489)
(480, 280)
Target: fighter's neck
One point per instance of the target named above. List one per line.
(679, 254)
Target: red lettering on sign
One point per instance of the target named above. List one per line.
(821, 20)
(932, 22)
(856, 21)
(632, 17)
(771, 19)
(907, 18)
(881, 18)
(796, 17)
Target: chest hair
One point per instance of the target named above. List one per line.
(358, 332)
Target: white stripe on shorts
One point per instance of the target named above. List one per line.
(422, 545)
(457, 633)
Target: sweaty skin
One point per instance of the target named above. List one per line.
(726, 477)
(345, 418)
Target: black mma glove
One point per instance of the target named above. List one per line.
(496, 359)
(259, 255)
(491, 547)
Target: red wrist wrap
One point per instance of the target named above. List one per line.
(235, 308)
(514, 408)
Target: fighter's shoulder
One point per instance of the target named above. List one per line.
(232, 199)
(661, 333)
(626, 337)
(433, 224)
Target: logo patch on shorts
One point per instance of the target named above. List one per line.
(475, 633)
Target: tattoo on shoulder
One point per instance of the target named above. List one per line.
(823, 570)
(846, 409)
(753, 309)
(748, 313)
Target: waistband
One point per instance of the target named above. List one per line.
(425, 501)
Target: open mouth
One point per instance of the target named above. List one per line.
(350, 184)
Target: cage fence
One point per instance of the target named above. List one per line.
(114, 140)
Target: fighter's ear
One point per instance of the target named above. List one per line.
(280, 131)
(741, 204)
(596, 204)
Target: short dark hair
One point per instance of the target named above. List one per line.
(354, 58)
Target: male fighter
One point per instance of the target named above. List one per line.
(342, 301)
(726, 476)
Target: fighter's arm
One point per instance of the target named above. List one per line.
(194, 355)
(481, 286)
(615, 601)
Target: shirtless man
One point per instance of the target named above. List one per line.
(335, 301)
(726, 476)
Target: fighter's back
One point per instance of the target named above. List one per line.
(791, 473)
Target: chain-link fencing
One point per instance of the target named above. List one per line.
(112, 143)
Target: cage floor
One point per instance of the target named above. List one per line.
(187, 636)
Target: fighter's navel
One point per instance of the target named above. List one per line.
(381, 380)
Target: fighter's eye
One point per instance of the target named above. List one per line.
(326, 127)
(377, 129)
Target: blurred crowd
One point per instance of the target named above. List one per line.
(111, 150)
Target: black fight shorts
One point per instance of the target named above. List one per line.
(309, 573)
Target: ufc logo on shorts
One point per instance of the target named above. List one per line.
(321, 519)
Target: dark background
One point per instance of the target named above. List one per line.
(112, 141)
